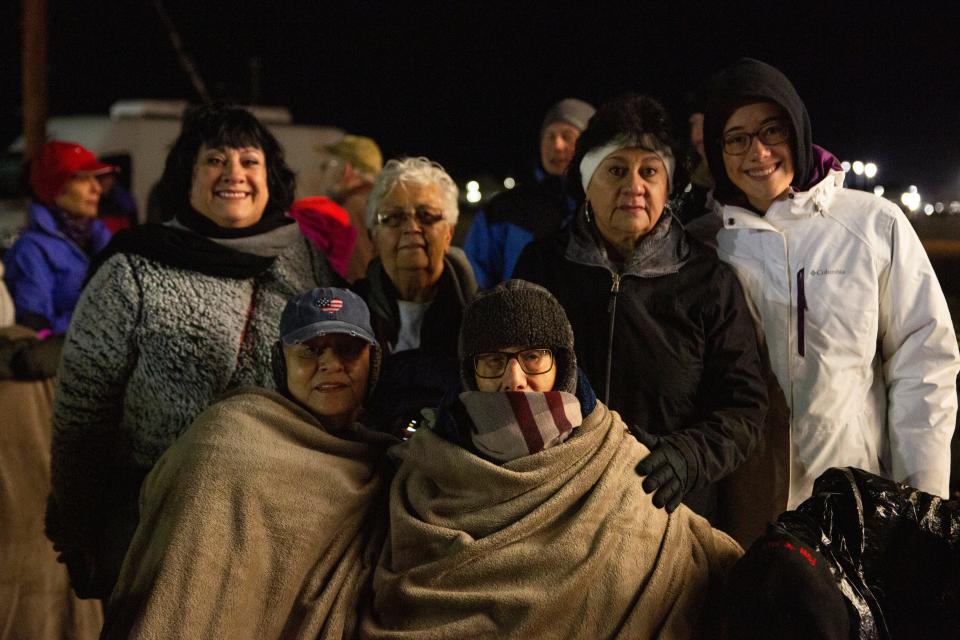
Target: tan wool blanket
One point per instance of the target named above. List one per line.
(36, 601)
(254, 524)
(563, 543)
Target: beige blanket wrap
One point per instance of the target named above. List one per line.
(36, 601)
(253, 525)
(560, 544)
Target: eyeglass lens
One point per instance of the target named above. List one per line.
(494, 363)
(395, 217)
(771, 134)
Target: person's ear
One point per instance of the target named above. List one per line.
(349, 173)
(449, 238)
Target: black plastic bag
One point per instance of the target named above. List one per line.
(894, 550)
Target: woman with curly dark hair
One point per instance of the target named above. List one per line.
(662, 329)
(173, 315)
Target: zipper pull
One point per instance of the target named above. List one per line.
(801, 310)
(614, 290)
(612, 312)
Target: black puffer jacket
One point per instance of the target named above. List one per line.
(668, 342)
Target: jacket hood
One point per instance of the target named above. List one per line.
(753, 81)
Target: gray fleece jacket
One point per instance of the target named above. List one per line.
(149, 348)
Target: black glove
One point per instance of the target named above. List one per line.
(665, 469)
(9, 349)
(39, 360)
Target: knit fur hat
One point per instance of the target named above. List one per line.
(517, 313)
(570, 110)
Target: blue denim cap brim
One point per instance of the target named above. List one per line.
(326, 327)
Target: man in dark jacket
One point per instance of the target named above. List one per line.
(533, 209)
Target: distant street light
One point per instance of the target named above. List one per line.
(911, 199)
(845, 165)
(858, 167)
(878, 190)
(473, 192)
(870, 170)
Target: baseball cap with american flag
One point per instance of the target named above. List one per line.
(323, 311)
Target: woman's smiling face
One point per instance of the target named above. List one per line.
(230, 186)
(763, 173)
(328, 375)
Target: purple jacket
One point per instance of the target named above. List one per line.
(45, 270)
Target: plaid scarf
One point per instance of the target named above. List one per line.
(511, 424)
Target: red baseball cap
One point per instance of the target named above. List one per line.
(57, 163)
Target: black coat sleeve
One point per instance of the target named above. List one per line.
(733, 399)
(532, 265)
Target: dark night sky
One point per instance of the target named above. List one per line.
(467, 83)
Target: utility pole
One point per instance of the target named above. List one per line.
(34, 76)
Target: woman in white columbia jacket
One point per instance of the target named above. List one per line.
(855, 322)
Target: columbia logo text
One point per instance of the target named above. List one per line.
(828, 272)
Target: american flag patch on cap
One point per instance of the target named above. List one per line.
(330, 305)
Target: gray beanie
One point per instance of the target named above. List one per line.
(570, 110)
(517, 313)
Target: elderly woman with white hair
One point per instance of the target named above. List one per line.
(416, 287)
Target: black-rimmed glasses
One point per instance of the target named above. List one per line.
(395, 217)
(532, 361)
(738, 143)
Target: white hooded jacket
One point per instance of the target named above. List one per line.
(858, 332)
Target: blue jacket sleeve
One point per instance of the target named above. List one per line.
(30, 279)
(484, 251)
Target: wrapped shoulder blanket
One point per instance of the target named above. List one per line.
(254, 524)
(563, 543)
(36, 601)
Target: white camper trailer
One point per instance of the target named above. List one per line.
(139, 133)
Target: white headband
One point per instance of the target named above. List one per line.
(592, 159)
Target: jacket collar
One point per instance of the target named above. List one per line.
(456, 287)
(43, 219)
(799, 204)
(662, 251)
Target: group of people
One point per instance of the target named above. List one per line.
(544, 435)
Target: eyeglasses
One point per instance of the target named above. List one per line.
(532, 361)
(738, 143)
(395, 217)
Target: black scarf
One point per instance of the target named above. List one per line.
(181, 248)
(204, 226)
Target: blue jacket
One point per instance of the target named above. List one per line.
(512, 220)
(45, 270)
